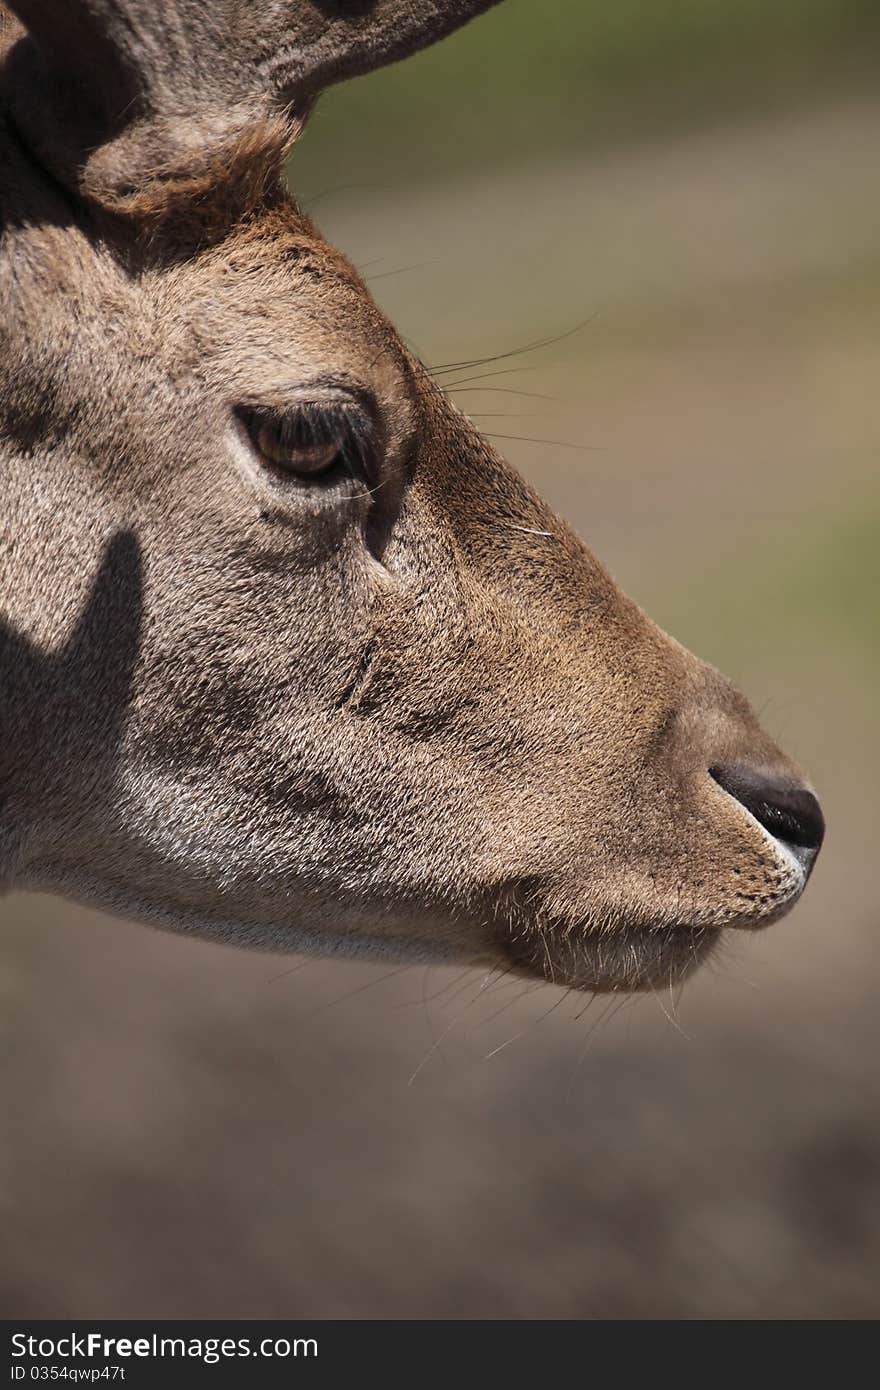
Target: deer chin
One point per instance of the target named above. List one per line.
(625, 959)
(627, 956)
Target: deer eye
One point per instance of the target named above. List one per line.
(311, 439)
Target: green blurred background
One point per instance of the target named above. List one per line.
(191, 1130)
(556, 79)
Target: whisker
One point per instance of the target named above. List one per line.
(339, 188)
(495, 1050)
(500, 977)
(366, 491)
(547, 956)
(589, 1004)
(535, 346)
(401, 270)
(434, 1046)
(505, 391)
(483, 376)
(294, 969)
(461, 989)
(438, 1041)
(359, 989)
(587, 1041)
(669, 1017)
(438, 994)
(532, 1026)
(559, 443)
(530, 987)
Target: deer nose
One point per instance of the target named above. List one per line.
(791, 813)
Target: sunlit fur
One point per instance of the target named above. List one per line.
(401, 712)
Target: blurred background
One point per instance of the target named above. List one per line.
(691, 193)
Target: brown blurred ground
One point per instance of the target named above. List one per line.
(192, 1131)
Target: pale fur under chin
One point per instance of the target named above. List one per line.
(279, 937)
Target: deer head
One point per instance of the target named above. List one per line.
(289, 656)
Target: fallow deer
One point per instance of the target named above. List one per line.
(289, 656)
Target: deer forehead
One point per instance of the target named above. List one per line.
(270, 310)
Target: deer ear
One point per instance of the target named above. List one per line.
(128, 101)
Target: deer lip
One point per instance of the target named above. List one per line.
(625, 959)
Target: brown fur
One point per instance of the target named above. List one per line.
(394, 720)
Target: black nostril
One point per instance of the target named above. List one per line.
(790, 813)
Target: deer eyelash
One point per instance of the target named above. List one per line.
(297, 438)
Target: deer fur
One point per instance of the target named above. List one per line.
(412, 717)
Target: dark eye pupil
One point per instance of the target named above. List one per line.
(311, 438)
(306, 440)
(307, 457)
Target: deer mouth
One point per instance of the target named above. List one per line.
(628, 959)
